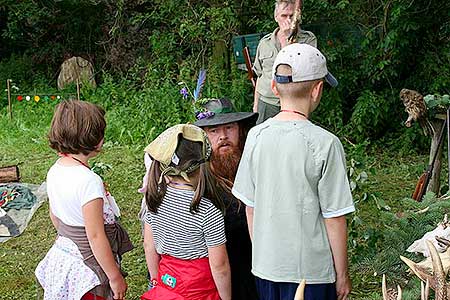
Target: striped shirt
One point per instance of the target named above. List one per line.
(178, 232)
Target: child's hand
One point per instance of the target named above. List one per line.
(343, 287)
(119, 287)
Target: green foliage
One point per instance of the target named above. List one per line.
(370, 117)
(437, 103)
(100, 168)
(329, 113)
(371, 48)
(399, 228)
(363, 239)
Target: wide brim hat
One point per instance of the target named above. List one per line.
(221, 111)
(163, 148)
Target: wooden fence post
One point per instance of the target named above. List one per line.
(8, 85)
(434, 184)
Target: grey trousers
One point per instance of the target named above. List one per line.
(265, 111)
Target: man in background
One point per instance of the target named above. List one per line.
(265, 102)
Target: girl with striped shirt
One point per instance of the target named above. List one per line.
(184, 232)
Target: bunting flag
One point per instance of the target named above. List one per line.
(38, 98)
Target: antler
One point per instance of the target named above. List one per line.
(300, 293)
(384, 290)
(435, 279)
(439, 275)
(424, 290)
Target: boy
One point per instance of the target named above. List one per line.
(292, 177)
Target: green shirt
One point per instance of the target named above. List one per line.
(293, 174)
(267, 50)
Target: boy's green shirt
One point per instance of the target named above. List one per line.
(293, 173)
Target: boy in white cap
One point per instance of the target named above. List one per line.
(292, 177)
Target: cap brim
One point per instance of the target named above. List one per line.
(331, 80)
(225, 118)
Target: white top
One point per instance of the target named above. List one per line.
(69, 188)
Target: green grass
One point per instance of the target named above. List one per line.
(23, 142)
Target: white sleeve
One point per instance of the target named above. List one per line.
(91, 190)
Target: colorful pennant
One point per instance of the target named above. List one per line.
(38, 98)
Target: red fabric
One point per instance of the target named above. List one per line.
(194, 280)
(90, 296)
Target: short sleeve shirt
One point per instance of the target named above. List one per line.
(184, 234)
(303, 182)
(267, 51)
(69, 188)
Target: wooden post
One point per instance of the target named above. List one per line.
(448, 146)
(8, 85)
(78, 89)
(434, 184)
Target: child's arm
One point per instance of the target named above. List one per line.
(249, 212)
(337, 235)
(151, 256)
(220, 269)
(95, 231)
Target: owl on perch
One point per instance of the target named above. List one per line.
(416, 109)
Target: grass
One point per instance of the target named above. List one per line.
(24, 143)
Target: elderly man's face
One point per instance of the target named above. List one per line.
(223, 138)
(284, 14)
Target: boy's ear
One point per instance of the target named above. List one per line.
(273, 85)
(316, 92)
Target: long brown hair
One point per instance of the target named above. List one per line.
(189, 153)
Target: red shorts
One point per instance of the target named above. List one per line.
(180, 279)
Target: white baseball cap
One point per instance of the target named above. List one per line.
(307, 63)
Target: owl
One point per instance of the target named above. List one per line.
(416, 109)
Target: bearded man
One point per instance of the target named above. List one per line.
(227, 131)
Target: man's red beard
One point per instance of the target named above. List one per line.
(225, 164)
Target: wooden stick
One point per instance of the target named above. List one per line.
(8, 81)
(78, 89)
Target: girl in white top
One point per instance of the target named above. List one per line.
(81, 264)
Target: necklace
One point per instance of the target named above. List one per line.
(105, 185)
(76, 159)
(180, 184)
(295, 112)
